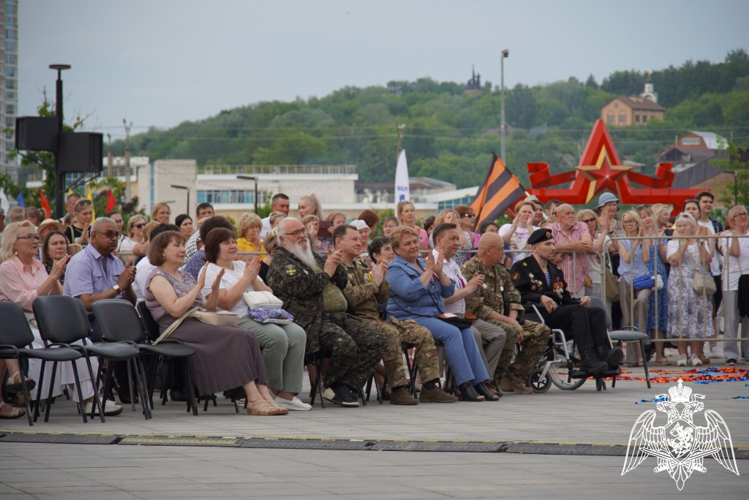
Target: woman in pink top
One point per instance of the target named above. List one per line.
(22, 279)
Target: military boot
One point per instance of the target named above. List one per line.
(591, 363)
(612, 356)
(401, 396)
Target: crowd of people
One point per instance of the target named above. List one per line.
(358, 296)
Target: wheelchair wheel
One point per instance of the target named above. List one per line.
(559, 373)
(538, 384)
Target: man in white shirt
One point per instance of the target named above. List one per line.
(203, 211)
(705, 200)
(490, 338)
(279, 203)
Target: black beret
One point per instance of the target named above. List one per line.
(539, 236)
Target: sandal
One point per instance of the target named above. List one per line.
(14, 388)
(15, 412)
(264, 409)
(483, 390)
(469, 393)
(662, 361)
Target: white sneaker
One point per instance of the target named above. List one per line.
(715, 351)
(295, 404)
(696, 361)
(682, 360)
(111, 410)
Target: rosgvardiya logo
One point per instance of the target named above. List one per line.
(680, 446)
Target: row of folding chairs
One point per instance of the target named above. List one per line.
(65, 329)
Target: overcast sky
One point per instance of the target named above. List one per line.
(160, 62)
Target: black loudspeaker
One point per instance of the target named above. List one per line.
(35, 133)
(80, 152)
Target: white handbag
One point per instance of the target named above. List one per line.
(264, 300)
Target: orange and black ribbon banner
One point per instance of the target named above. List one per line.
(499, 191)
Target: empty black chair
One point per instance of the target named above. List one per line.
(63, 320)
(15, 335)
(119, 322)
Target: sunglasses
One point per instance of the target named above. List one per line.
(588, 221)
(469, 216)
(140, 226)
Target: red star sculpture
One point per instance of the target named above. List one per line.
(599, 171)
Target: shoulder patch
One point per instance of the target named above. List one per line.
(525, 264)
(559, 268)
(290, 270)
(515, 276)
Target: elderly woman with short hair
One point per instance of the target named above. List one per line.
(225, 357)
(249, 234)
(23, 279)
(418, 288)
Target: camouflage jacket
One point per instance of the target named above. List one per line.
(498, 293)
(362, 293)
(301, 290)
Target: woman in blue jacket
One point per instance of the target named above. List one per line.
(417, 289)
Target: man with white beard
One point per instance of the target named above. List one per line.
(311, 290)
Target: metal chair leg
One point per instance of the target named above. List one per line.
(95, 383)
(81, 401)
(39, 391)
(27, 395)
(645, 362)
(51, 389)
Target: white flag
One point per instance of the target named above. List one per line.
(402, 190)
(4, 202)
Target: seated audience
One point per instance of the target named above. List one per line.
(311, 290)
(310, 205)
(184, 223)
(417, 289)
(541, 282)
(388, 225)
(279, 205)
(282, 345)
(407, 217)
(79, 230)
(372, 219)
(319, 246)
(54, 248)
(249, 234)
(161, 213)
(364, 291)
(197, 261)
(499, 303)
(203, 211)
(144, 267)
(271, 241)
(381, 249)
(225, 357)
(23, 279)
(134, 242)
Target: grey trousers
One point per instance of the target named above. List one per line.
(491, 340)
(283, 353)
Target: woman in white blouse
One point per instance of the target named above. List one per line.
(736, 252)
(283, 345)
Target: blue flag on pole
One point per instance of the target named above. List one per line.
(20, 199)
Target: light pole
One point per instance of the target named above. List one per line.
(59, 177)
(505, 53)
(188, 196)
(250, 178)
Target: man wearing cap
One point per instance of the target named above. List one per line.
(574, 239)
(541, 282)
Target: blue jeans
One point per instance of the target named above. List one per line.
(461, 350)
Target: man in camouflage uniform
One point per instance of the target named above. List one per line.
(311, 290)
(499, 302)
(367, 289)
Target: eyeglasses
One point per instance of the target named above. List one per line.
(140, 226)
(31, 237)
(469, 216)
(110, 234)
(588, 221)
(296, 233)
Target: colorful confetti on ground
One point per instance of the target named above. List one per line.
(709, 375)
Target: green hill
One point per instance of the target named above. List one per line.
(449, 135)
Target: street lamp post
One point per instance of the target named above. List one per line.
(188, 196)
(505, 53)
(250, 178)
(59, 177)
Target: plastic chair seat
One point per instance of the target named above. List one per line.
(114, 351)
(627, 335)
(58, 354)
(169, 350)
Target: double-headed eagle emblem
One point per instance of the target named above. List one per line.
(680, 445)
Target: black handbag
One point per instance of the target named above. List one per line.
(456, 321)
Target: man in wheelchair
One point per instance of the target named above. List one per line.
(540, 281)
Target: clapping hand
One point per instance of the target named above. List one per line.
(439, 262)
(476, 282)
(332, 263)
(252, 268)
(58, 267)
(217, 282)
(378, 273)
(429, 263)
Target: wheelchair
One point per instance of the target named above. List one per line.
(559, 366)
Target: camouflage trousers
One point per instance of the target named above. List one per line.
(410, 332)
(354, 349)
(536, 336)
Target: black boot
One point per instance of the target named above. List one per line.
(591, 364)
(469, 393)
(612, 356)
